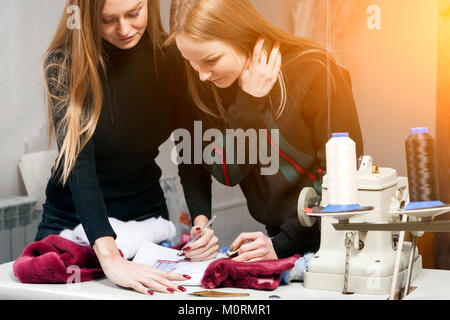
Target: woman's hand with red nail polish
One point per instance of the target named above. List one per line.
(254, 246)
(206, 247)
(140, 277)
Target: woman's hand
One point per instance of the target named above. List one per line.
(260, 75)
(128, 274)
(259, 247)
(204, 248)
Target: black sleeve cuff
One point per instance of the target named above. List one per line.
(282, 245)
(97, 234)
(296, 239)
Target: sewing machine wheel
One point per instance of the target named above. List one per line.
(303, 202)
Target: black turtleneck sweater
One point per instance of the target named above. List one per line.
(144, 100)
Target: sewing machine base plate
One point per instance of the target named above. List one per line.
(358, 284)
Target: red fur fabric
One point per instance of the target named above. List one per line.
(48, 260)
(260, 275)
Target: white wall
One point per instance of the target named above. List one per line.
(26, 28)
(394, 73)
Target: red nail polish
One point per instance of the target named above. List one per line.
(187, 259)
(186, 276)
(150, 292)
(198, 229)
(182, 288)
(170, 290)
(187, 248)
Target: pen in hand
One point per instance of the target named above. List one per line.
(197, 235)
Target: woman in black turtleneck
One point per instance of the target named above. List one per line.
(113, 100)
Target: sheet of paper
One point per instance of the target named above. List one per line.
(166, 259)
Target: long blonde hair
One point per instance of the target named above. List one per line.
(238, 23)
(71, 71)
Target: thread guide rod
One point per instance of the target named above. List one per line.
(434, 226)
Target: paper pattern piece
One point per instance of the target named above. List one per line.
(166, 259)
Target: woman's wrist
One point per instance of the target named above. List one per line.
(200, 220)
(106, 249)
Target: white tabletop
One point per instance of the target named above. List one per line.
(431, 284)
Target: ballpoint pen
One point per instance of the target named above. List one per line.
(197, 235)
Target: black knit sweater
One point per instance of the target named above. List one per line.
(144, 100)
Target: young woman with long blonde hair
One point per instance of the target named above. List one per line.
(245, 73)
(112, 101)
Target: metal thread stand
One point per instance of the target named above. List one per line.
(348, 246)
(410, 266)
(397, 262)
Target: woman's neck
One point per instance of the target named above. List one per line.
(228, 95)
(111, 49)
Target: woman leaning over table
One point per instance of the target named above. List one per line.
(113, 99)
(247, 74)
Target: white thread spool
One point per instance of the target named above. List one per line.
(341, 170)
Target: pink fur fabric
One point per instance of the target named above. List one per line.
(48, 260)
(260, 275)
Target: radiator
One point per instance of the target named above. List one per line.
(18, 226)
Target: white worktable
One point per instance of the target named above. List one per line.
(431, 285)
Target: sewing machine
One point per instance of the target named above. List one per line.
(361, 261)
